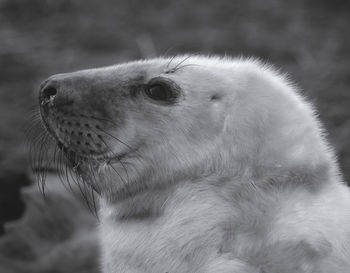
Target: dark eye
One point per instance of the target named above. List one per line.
(159, 92)
(162, 91)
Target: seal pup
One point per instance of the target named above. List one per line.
(202, 164)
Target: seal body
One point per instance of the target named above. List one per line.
(202, 165)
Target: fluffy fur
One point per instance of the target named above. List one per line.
(236, 176)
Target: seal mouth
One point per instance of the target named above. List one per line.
(79, 143)
(76, 158)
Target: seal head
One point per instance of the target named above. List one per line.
(153, 123)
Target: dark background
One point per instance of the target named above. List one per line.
(310, 40)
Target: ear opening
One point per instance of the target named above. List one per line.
(215, 97)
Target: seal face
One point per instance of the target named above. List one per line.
(130, 120)
(80, 119)
(199, 164)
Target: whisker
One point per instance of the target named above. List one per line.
(115, 156)
(185, 65)
(169, 63)
(121, 178)
(167, 51)
(94, 184)
(174, 69)
(94, 203)
(109, 134)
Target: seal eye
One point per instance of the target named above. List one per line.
(162, 91)
(159, 92)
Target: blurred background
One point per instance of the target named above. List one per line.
(308, 39)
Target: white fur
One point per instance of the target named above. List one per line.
(242, 183)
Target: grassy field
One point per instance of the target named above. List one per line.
(307, 39)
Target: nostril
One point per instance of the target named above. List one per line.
(55, 92)
(49, 92)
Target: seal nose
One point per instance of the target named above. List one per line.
(55, 92)
(48, 92)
